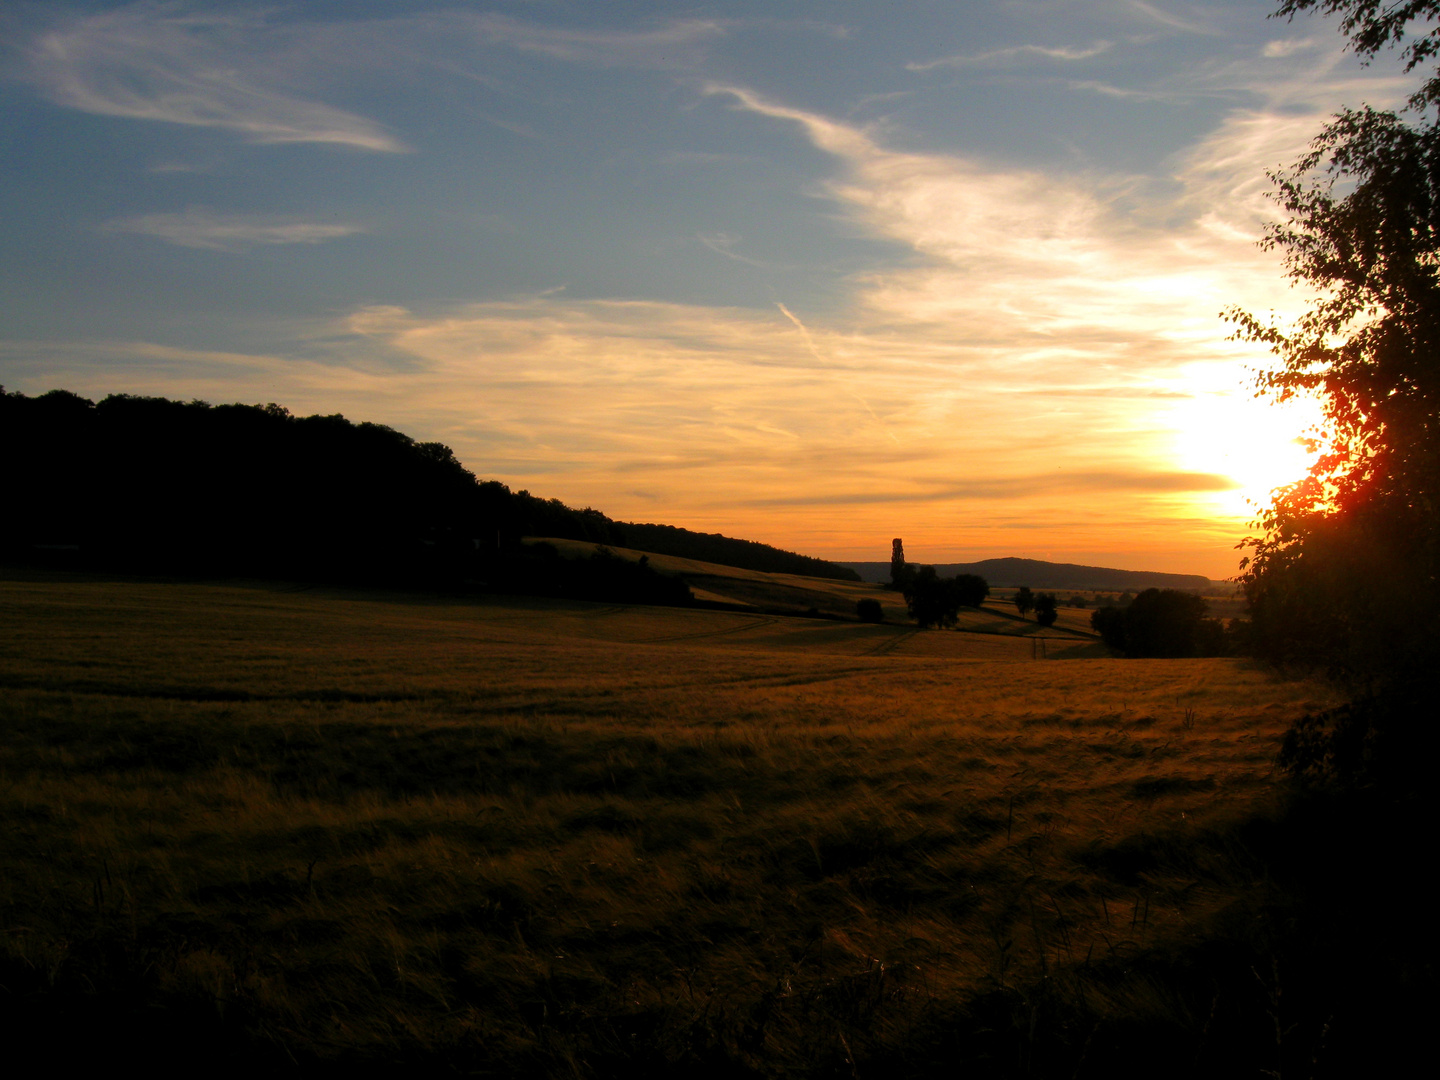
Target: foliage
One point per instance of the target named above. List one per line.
(1167, 622)
(971, 589)
(1024, 600)
(1372, 25)
(157, 485)
(931, 599)
(1359, 742)
(1160, 622)
(1346, 571)
(869, 610)
(901, 572)
(1109, 623)
(1077, 601)
(936, 601)
(1045, 609)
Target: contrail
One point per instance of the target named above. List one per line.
(809, 341)
(810, 344)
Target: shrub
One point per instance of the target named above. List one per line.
(936, 601)
(1024, 600)
(1045, 613)
(1161, 622)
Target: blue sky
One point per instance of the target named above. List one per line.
(817, 274)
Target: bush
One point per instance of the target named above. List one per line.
(971, 589)
(1109, 623)
(1161, 623)
(1045, 613)
(936, 601)
(869, 610)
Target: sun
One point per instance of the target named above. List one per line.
(1256, 443)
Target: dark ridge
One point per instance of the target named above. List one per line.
(714, 548)
(144, 484)
(1005, 573)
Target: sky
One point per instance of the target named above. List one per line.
(817, 274)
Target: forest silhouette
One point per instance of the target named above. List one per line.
(152, 485)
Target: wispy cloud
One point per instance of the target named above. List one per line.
(723, 243)
(1015, 52)
(1288, 47)
(228, 232)
(1131, 93)
(1021, 257)
(1010, 488)
(668, 45)
(161, 63)
(1169, 18)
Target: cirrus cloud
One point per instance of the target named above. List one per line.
(1014, 52)
(196, 228)
(159, 63)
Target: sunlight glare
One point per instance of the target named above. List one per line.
(1256, 442)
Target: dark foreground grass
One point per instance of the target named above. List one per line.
(317, 833)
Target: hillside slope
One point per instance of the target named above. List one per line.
(714, 583)
(1002, 573)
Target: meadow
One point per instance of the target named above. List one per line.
(316, 829)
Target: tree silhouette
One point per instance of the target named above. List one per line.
(869, 610)
(1109, 623)
(1160, 623)
(931, 599)
(971, 589)
(1045, 612)
(936, 601)
(1024, 600)
(901, 572)
(148, 484)
(1346, 570)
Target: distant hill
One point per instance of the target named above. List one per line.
(149, 484)
(1003, 573)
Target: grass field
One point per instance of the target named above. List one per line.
(529, 836)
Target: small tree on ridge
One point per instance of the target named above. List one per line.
(1024, 601)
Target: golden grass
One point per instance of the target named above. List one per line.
(504, 831)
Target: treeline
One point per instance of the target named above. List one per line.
(1156, 623)
(1169, 623)
(153, 485)
(725, 550)
(933, 600)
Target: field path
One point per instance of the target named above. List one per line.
(890, 644)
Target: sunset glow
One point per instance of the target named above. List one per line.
(815, 279)
(1259, 444)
